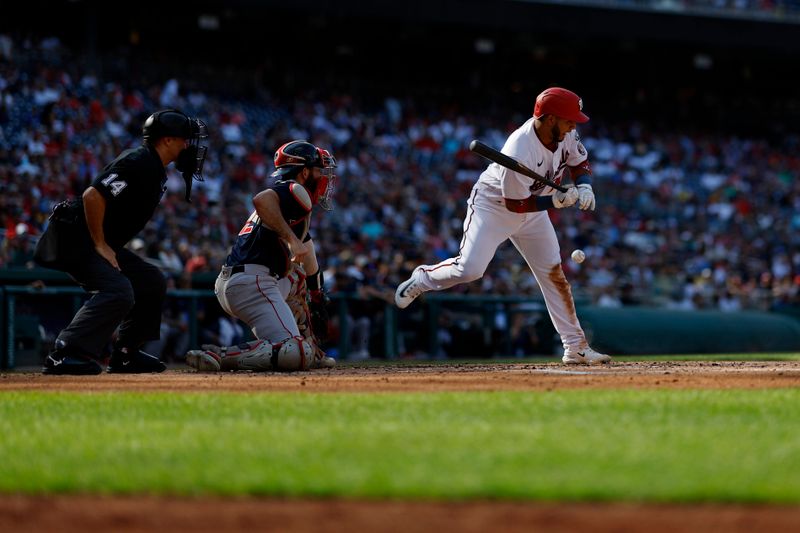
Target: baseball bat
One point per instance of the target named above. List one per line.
(496, 156)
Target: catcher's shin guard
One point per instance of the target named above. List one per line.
(293, 354)
(254, 355)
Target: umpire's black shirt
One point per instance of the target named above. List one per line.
(132, 185)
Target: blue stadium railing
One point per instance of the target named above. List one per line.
(9, 317)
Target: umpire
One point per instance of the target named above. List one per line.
(86, 238)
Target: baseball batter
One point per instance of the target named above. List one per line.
(507, 205)
(268, 264)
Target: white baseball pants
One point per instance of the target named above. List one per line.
(258, 299)
(488, 223)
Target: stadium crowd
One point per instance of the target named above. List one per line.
(685, 221)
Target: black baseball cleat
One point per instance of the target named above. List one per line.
(134, 362)
(58, 364)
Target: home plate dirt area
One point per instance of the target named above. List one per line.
(149, 513)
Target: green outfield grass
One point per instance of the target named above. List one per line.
(654, 445)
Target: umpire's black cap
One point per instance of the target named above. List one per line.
(169, 123)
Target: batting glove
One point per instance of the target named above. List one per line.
(585, 197)
(565, 199)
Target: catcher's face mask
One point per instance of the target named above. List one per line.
(191, 159)
(322, 193)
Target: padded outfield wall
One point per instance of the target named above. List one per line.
(648, 331)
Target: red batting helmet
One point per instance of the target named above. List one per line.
(561, 103)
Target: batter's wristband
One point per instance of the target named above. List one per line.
(530, 204)
(315, 281)
(544, 203)
(583, 178)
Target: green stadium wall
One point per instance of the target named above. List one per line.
(648, 331)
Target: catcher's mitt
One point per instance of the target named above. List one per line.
(308, 321)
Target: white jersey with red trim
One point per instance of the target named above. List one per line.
(489, 223)
(524, 146)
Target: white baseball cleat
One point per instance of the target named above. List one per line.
(408, 291)
(324, 362)
(584, 356)
(203, 360)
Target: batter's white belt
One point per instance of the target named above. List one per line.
(251, 268)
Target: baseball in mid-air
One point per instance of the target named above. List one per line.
(578, 256)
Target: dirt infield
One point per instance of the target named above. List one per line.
(146, 513)
(438, 377)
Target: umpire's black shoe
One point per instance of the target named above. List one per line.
(134, 362)
(57, 364)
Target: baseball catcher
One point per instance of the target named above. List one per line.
(264, 281)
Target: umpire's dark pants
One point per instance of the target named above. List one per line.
(131, 299)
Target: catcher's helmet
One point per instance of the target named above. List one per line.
(561, 103)
(296, 155)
